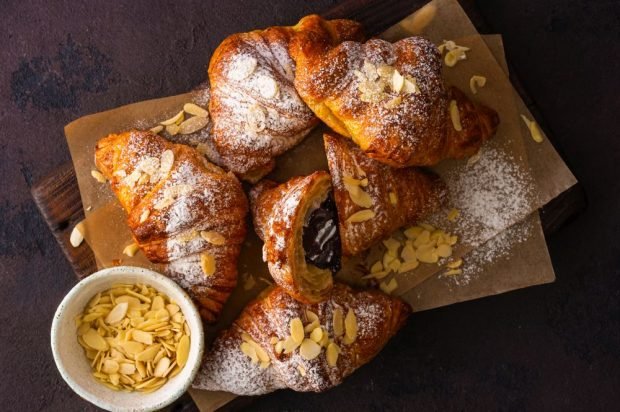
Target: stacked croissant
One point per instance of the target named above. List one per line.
(388, 107)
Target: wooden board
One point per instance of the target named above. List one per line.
(57, 195)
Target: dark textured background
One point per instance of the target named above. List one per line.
(554, 347)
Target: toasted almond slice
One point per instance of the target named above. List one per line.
(130, 250)
(213, 237)
(393, 103)
(117, 313)
(183, 350)
(158, 303)
(193, 124)
(361, 198)
(172, 309)
(93, 340)
(422, 239)
(408, 266)
(443, 250)
(388, 287)
(453, 214)
(297, 330)
(475, 82)
(301, 370)
(453, 272)
(172, 129)
(397, 81)
(311, 326)
(427, 254)
(177, 118)
(273, 340)
(361, 216)
(207, 263)
(393, 198)
(289, 344)
(408, 252)
(157, 129)
(413, 232)
(257, 118)
(311, 316)
(110, 366)
(455, 264)
(454, 56)
(332, 353)
(411, 85)
(147, 354)
(309, 349)
(98, 176)
(455, 116)
(142, 337)
(145, 215)
(317, 334)
(534, 129)
(242, 67)
(261, 353)
(279, 347)
(338, 322)
(195, 110)
(377, 267)
(162, 367)
(392, 245)
(77, 235)
(350, 325)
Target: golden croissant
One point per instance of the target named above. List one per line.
(278, 342)
(181, 209)
(389, 98)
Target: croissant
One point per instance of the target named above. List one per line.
(390, 99)
(181, 209)
(373, 199)
(297, 221)
(256, 111)
(278, 342)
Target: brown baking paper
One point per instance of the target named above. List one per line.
(107, 233)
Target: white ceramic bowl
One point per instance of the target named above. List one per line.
(73, 364)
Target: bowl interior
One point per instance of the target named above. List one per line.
(75, 367)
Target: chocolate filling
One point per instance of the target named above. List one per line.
(321, 238)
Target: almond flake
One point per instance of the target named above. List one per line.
(157, 129)
(350, 325)
(474, 159)
(338, 322)
(193, 124)
(453, 214)
(397, 81)
(177, 118)
(195, 110)
(393, 103)
(242, 67)
(289, 345)
(162, 367)
(455, 264)
(361, 216)
(172, 129)
(332, 353)
(257, 118)
(207, 263)
(77, 235)
(183, 350)
(213, 237)
(317, 334)
(453, 272)
(408, 266)
(377, 267)
(309, 349)
(413, 232)
(411, 85)
(249, 351)
(166, 162)
(95, 341)
(297, 330)
(268, 87)
(301, 370)
(130, 250)
(444, 250)
(117, 314)
(534, 129)
(393, 198)
(454, 56)
(475, 82)
(145, 215)
(311, 316)
(142, 337)
(388, 287)
(455, 116)
(98, 176)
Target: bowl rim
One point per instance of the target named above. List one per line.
(121, 271)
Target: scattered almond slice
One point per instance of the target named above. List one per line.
(117, 313)
(338, 322)
(453, 272)
(98, 176)
(316, 334)
(213, 237)
(533, 128)
(172, 129)
(268, 87)
(257, 118)
(207, 263)
(193, 124)
(130, 250)
(388, 287)
(393, 198)
(195, 110)
(411, 85)
(361, 216)
(301, 370)
(77, 235)
(350, 325)
(145, 215)
(177, 118)
(309, 349)
(474, 159)
(475, 82)
(453, 214)
(455, 116)
(398, 81)
(157, 129)
(297, 330)
(455, 264)
(332, 353)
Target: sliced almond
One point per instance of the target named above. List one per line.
(193, 124)
(443, 250)
(95, 341)
(376, 267)
(195, 110)
(249, 351)
(301, 370)
(177, 118)
(350, 325)
(338, 322)
(268, 87)
(413, 232)
(131, 250)
(317, 334)
(411, 85)
(408, 266)
(142, 337)
(309, 349)
(455, 116)
(289, 344)
(172, 129)
(117, 313)
(361, 216)
(534, 129)
(454, 272)
(127, 368)
(393, 198)
(455, 264)
(77, 235)
(332, 353)
(393, 103)
(162, 367)
(213, 237)
(311, 316)
(427, 254)
(256, 118)
(183, 350)
(98, 176)
(297, 330)
(388, 287)
(475, 82)
(453, 214)
(279, 347)
(147, 354)
(157, 129)
(166, 162)
(110, 366)
(145, 215)
(207, 263)
(398, 81)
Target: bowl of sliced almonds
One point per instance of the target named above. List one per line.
(127, 339)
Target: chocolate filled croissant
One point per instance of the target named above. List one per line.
(256, 111)
(390, 99)
(373, 199)
(278, 342)
(181, 209)
(297, 221)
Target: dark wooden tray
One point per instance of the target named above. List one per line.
(58, 198)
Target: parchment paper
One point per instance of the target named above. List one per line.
(107, 233)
